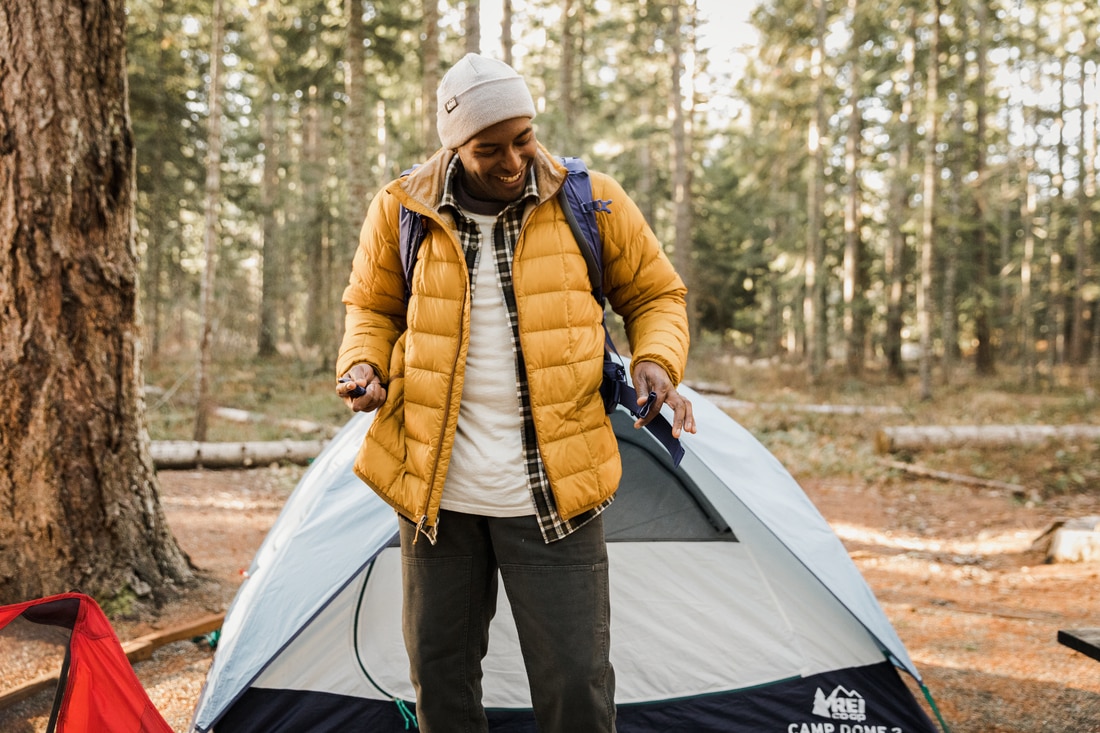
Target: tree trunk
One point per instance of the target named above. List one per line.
(79, 494)
(429, 70)
(1081, 254)
(854, 301)
(318, 307)
(814, 297)
(154, 276)
(472, 26)
(984, 360)
(506, 31)
(896, 262)
(210, 229)
(681, 162)
(567, 72)
(928, 217)
(1086, 194)
(956, 137)
(272, 272)
(1028, 205)
(1055, 239)
(271, 267)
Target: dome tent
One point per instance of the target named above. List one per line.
(734, 607)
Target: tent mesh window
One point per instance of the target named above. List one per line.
(646, 506)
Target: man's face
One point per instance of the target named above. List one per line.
(497, 158)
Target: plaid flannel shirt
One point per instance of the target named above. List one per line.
(505, 233)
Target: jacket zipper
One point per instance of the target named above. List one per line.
(431, 534)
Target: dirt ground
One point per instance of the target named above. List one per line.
(952, 566)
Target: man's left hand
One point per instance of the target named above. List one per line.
(651, 377)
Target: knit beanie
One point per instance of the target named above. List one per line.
(478, 92)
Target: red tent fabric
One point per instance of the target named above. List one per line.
(101, 692)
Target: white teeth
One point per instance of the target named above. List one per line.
(511, 179)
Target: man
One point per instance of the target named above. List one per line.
(491, 438)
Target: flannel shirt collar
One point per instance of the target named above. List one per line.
(450, 180)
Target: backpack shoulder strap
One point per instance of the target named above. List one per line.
(411, 233)
(580, 210)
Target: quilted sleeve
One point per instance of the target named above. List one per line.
(641, 284)
(374, 297)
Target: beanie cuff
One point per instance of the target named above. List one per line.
(498, 95)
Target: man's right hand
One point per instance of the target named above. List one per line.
(361, 375)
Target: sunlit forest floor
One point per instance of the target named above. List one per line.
(953, 565)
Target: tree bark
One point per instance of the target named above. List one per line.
(314, 167)
(682, 130)
(814, 298)
(896, 262)
(984, 359)
(79, 504)
(429, 69)
(210, 227)
(953, 236)
(472, 26)
(271, 267)
(928, 217)
(1082, 304)
(1055, 240)
(567, 71)
(155, 275)
(506, 31)
(855, 304)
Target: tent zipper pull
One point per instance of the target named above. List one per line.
(406, 714)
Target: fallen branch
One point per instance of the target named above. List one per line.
(731, 403)
(302, 426)
(180, 454)
(1015, 489)
(891, 439)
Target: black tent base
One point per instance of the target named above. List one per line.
(871, 699)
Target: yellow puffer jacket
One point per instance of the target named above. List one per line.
(419, 353)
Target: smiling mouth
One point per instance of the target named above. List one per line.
(510, 179)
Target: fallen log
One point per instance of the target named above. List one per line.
(1076, 539)
(912, 437)
(959, 478)
(142, 648)
(182, 454)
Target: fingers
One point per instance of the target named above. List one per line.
(682, 418)
(650, 377)
(361, 377)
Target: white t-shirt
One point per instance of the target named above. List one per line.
(487, 475)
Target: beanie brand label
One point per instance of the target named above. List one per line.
(451, 104)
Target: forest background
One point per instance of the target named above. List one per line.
(895, 198)
(873, 183)
(889, 201)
